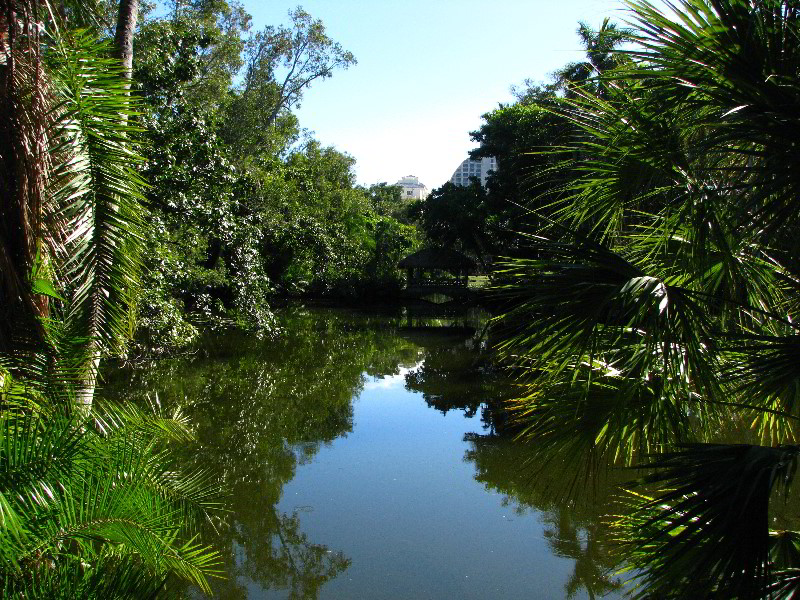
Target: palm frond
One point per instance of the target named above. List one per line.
(707, 534)
(762, 373)
(579, 303)
(737, 62)
(600, 420)
(785, 559)
(68, 484)
(100, 190)
(110, 577)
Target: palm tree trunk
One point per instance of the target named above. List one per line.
(123, 40)
(23, 171)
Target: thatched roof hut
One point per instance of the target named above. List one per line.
(438, 258)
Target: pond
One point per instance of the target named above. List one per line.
(367, 457)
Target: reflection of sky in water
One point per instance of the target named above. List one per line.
(379, 498)
(397, 496)
(390, 381)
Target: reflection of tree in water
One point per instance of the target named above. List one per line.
(287, 559)
(457, 375)
(263, 408)
(454, 375)
(585, 545)
(260, 409)
(572, 518)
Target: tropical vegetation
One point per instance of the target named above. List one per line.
(525, 139)
(653, 309)
(244, 206)
(96, 506)
(92, 502)
(649, 302)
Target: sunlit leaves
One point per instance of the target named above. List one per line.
(92, 495)
(100, 192)
(659, 306)
(763, 373)
(735, 63)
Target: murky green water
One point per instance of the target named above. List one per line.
(366, 460)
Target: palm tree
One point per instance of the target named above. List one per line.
(600, 46)
(657, 314)
(91, 505)
(94, 507)
(71, 212)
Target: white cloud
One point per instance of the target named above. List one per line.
(391, 381)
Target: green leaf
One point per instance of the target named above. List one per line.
(46, 288)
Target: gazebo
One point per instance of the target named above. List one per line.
(437, 270)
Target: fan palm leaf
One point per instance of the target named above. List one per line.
(737, 63)
(659, 308)
(708, 534)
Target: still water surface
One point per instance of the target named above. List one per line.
(367, 459)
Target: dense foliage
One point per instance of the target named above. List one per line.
(651, 296)
(92, 503)
(243, 206)
(654, 312)
(527, 139)
(96, 506)
(236, 208)
(262, 409)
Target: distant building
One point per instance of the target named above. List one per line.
(412, 188)
(474, 168)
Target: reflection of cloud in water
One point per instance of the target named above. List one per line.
(390, 381)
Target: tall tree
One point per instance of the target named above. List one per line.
(529, 174)
(280, 64)
(25, 115)
(601, 47)
(526, 139)
(458, 217)
(214, 32)
(292, 58)
(92, 506)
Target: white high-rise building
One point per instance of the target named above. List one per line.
(474, 168)
(412, 188)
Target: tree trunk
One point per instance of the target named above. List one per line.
(24, 114)
(123, 40)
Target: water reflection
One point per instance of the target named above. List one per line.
(572, 517)
(262, 409)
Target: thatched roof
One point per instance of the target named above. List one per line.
(437, 258)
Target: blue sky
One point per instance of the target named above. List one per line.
(427, 70)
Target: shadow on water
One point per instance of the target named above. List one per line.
(262, 408)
